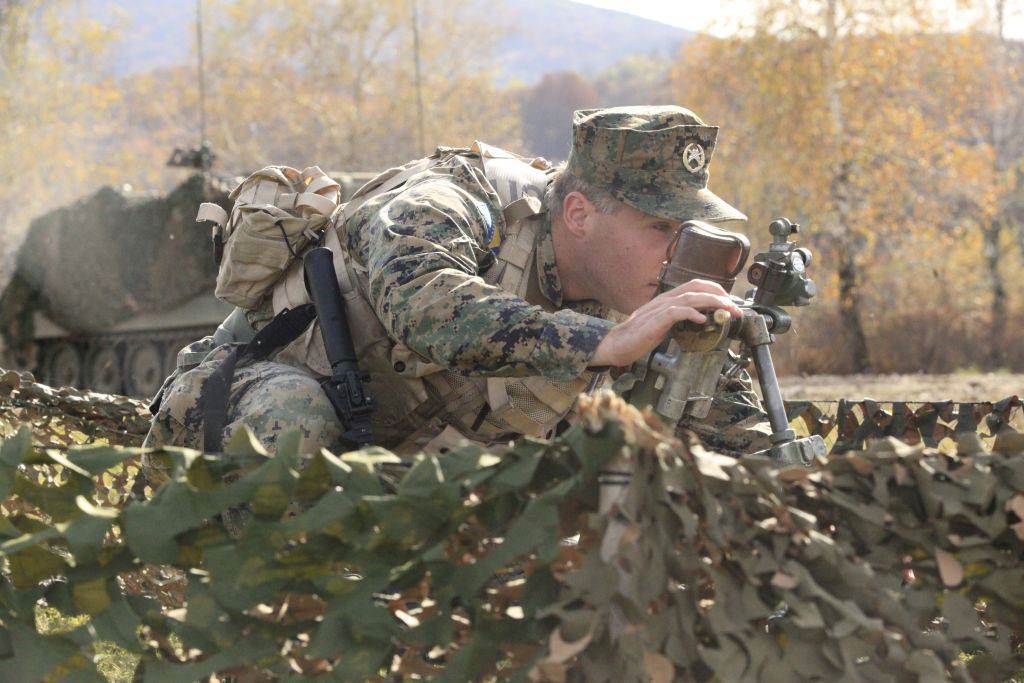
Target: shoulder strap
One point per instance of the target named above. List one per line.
(285, 327)
(390, 183)
(511, 270)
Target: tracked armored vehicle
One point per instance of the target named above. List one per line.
(107, 290)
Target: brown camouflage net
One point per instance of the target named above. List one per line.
(885, 564)
(65, 417)
(849, 425)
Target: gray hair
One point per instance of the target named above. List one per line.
(565, 182)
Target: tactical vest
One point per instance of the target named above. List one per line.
(422, 404)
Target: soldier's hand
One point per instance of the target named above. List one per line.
(648, 325)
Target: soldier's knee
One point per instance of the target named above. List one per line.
(273, 399)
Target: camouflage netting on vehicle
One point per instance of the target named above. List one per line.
(885, 564)
(110, 256)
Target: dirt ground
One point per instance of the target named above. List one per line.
(957, 387)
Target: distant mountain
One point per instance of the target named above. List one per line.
(158, 33)
(541, 35)
(554, 35)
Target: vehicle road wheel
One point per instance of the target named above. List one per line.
(64, 365)
(104, 371)
(144, 368)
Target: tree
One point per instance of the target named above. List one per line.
(333, 82)
(55, 97)
(998, 133)
(547, 111)
(13, 39)
(837, 112)
(634, 79)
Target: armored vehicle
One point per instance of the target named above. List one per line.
(107, 290)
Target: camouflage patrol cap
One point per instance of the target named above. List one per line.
(653, 158)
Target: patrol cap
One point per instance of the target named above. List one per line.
(653, 158)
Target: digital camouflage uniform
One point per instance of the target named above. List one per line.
(422, 253)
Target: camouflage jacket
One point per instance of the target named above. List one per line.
(426, 246)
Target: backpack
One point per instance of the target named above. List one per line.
(278, 212)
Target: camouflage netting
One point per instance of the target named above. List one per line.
(850, 425)
(60, 418)
(886, 564)
(110, 256)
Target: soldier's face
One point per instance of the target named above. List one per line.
(627, 250)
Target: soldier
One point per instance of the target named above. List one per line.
(487, 291)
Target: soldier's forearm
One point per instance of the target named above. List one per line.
(459, 321)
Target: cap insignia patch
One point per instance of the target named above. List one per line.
(693, 157)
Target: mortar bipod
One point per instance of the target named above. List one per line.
(786, 449)
(679, 379)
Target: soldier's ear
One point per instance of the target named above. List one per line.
(576, 209)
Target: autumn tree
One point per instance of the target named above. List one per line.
(14, 15)
(635, 79)
(334, 83)
(994, 104)
(55, 96)
(547, 110)
(835, 113)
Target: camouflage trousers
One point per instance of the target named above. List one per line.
(269, 398)
(272, 399)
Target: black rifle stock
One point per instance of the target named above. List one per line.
(345, 387)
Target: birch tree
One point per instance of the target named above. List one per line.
(996, 96)
(837, 112)
(334, 82)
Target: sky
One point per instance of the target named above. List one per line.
(718, 17)
(695, 15)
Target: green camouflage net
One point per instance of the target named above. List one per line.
(109, 256)
(885, 564)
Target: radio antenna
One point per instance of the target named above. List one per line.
(202, 85)
(201, 157)
(415, 20)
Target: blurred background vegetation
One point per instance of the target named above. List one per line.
(893, 136)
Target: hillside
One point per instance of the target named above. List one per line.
(541, 35)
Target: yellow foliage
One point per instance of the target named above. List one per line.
(328, 83)
(898, 145)
(54, 100)
(871, 136)
(333, 82)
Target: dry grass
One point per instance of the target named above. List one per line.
(961, 386)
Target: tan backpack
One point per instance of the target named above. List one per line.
(278, 212)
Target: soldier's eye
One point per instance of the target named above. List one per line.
(662, 227)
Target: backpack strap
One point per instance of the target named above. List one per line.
(388, 184)
(511, 270)
(284, 328)
(317, 203)
(208, 211)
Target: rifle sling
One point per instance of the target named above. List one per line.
(283, 329)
